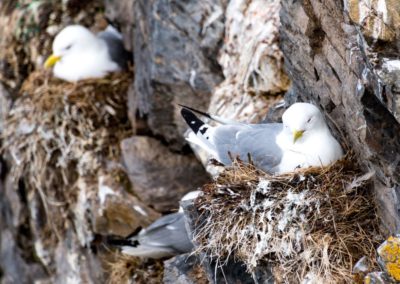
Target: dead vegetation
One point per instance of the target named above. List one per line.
(57, 132)
(122, 268)
(312, 225)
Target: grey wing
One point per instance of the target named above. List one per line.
(169, 231)
(224, 140)
(115, 47)
(165, 220)
(258, 140)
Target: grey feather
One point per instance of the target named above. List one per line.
(256, 140)
(115, 47)
(165, 237)
(237, 140)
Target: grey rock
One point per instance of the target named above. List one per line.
(74, 263)
(184, 269)
(390, 76)
(5, 105)
(121, 13)
(235, 272)
(275, 113)
(15, 267)
(116, 211)
(17, 259)
(175, 47)
(336, 71)
(159, 176)
(251, 61)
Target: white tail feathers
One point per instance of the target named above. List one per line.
(148, 251)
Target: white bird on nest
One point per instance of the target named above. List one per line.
(79, 54)
(166, 237)
(302, 140)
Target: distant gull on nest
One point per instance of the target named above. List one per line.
(79, 54)
(302, 140)
(167, 236)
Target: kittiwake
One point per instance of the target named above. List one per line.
(166, 237)
(79, 54)
(302, 140)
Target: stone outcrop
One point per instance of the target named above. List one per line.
(160, 177)
(251, 61)
(175, 46)
(184, 269)
(122, 14)
(331, 64)
(5, 105)
(16, 244)
(58, 235)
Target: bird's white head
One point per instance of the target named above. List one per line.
(302, 119)
(71, 39)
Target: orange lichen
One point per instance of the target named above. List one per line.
(394, 270)
(389, 251)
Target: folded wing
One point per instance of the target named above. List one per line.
(165, 237)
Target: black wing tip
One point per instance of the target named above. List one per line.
(185, 112)
(113, 241)
(191, 119)
(189, 116)
(127, 241)
(196, 111)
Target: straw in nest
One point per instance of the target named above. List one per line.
(122, 268)
(310, 225)
(57, 132)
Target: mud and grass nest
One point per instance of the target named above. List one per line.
(57, 131)
(313, 224)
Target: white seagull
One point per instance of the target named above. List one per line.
(166, 237)
(79, 54)
(302, 140)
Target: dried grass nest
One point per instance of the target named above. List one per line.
(122, 268)
(57, 131)
(311, 225)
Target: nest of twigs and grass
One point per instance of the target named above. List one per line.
(310, 225)
(58, 132)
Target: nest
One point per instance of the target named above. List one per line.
(28, 30)
(311, 225)
(57, 132)
(122, 268)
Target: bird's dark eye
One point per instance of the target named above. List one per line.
(68, 46)
(308, 121)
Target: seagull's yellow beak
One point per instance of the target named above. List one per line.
(51, 60)
(297, 134)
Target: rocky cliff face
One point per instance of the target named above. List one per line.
(227, 56)
(344, 68)
(56, 214)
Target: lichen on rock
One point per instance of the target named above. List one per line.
(251, 61)
(389, 256)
